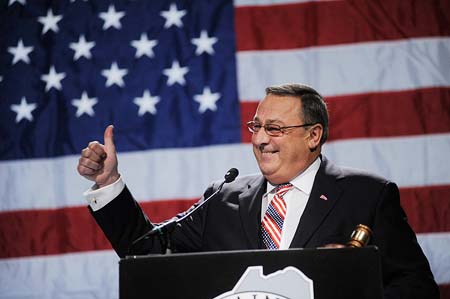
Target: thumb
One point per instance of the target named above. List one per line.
(109, 138)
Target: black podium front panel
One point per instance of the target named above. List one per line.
(336, 273)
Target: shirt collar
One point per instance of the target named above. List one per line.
(304, 181)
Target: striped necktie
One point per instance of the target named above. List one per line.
(272, 223)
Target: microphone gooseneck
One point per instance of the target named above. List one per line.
(166, 228)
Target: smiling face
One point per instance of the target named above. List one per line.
(282, 158)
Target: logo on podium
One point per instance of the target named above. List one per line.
(289, 283)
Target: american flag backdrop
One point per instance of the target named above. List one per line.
(179, 79)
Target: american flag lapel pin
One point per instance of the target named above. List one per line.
(323, 197)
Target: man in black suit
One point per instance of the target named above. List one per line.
(322, 205)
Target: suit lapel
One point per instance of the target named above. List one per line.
(324, 195)
(250, 210)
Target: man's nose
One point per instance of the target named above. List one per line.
(260, 137)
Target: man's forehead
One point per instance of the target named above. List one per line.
(274, 108)
(280, 101)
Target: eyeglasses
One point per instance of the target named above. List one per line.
(271, 129)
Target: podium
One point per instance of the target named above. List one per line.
(335, 273)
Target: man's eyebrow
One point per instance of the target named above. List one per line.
(269, 121)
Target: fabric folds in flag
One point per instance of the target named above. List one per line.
(179, 80)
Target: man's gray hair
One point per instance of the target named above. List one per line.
(313, 106)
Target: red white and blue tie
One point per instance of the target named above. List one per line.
(272, 223)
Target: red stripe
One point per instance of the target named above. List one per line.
(56, 231)
(445, 291)
(44, 232)
(387, 114)
(427, 208)
(281, 191)
(280, 206)
(311, 24)
(272, 229)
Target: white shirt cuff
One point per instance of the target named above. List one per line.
(98, 198)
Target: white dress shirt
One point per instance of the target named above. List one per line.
(295, 199)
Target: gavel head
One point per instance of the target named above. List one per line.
(360, 237)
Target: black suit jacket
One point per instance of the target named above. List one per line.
(232, 221)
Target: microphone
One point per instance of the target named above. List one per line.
(230, 176)
(165, 228)
(360, 237)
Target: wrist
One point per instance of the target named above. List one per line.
(111, 180)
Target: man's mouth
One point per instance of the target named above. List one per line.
(264, 153)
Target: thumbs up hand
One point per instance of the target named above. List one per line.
(98, 162)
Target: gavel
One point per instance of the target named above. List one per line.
(360, 237)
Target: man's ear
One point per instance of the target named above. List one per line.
(315, 134)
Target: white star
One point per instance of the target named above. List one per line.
(23, 2)
(114, 75)
(146, 103)
(24, 110)
(1, 78)
(207, 100)
(204, 43)
(173, 16)
(144, 46)
(112, 18)
(84, 105)
(20, 52)
(53, 79)
(50, 22)
(176, 74)
(82, 48)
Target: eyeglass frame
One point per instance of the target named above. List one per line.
(280, 128)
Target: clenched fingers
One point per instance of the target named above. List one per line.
(95, 151)
(86, 171)
(97, 148)
(91, 160)
(91, 164)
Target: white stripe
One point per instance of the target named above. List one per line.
(187, 171)
(280, 204)
(53, 183)
(79, 275)
(408, 161)
(95, 274)
(273, 230)
(239, 3)
(158, 174)
(348, 69)
(437, 249)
